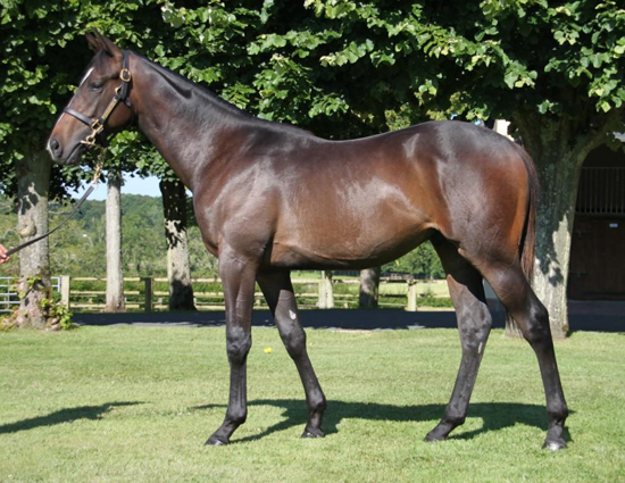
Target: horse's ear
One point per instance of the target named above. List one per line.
(99, 42)
(93, 42)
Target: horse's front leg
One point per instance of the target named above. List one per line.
(238, 277)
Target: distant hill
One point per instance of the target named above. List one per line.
(78, 249)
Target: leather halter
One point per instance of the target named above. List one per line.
(121, 95)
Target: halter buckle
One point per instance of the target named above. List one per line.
(96, 126)
(125, 75)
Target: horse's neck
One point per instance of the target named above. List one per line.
(185, 123)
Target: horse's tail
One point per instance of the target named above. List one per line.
(528, 238)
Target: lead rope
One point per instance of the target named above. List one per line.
(92, 186)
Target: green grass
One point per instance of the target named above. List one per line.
(137, 404)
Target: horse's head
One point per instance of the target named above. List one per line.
(100, 106)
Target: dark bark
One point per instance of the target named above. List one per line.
(32, 197)
(369, 285)
(178, 266)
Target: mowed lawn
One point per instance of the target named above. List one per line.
(136, 404)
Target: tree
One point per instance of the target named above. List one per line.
(369, 288)
(175, 210)
(114, 274)
(178, 267)
(32, 80)
(34, 281)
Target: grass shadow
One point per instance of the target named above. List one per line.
(63, 416)
(495, 416)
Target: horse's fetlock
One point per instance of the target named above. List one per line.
(454, 419)
(237, 417)
(558, 413)
(319, 406)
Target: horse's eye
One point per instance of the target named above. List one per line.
(95, 86)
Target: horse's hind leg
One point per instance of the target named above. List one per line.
(512, 288)
(474, 323)
(278, 291)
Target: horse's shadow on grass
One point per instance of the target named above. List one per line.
(63, 416)
(495, 416)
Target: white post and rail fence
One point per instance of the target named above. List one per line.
(87, 294)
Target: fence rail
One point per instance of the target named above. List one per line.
(9, 298)
(147, 294)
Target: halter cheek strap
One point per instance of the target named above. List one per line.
(121, 95)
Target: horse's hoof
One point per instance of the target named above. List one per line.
(554, 445)
(313, 433)
(431, 437)
(215, 441)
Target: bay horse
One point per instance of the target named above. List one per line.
(271, 197)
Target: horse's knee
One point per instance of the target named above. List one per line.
(238, 344)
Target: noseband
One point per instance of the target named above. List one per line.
(121, 95)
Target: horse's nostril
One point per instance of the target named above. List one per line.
(55, 146)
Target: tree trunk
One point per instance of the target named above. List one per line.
(326, 290)
(33, 174)
(369, 284)
(554, 228)
(114, 275)
(178, 266)
(558, 157)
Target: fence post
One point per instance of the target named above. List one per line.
(148, 293)
(65, 290)
(412, 296)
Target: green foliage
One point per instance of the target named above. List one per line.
(491, 59)
(428, 299)
(422, 262)
(57, 314)
(34, 36)
(340, 69)
(337, 68)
